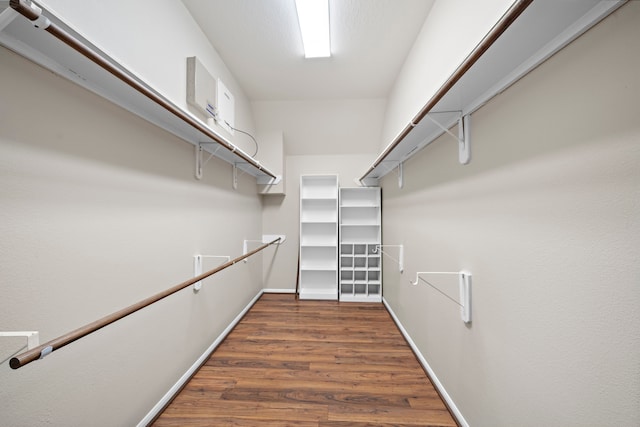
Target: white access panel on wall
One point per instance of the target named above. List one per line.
(360, 239)
(318, 275)
(226, 106)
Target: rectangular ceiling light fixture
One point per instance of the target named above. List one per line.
(313, 17)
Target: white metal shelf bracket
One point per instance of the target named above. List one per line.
(199, 163)
(234, 178)
(400, 260)
(266, 238)
(197, 267)
(463, 137)
(400, 175)
(465, 290)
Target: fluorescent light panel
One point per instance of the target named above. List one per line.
(313, 18)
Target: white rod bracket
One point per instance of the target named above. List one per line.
(33, 337)
(400, 259)
(197, 267)
(465, 296)
(400, 175)
(199, 163)
(266, 238)
(234, 177)
(465, 291)
(463, 137)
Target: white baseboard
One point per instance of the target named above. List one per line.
(434, 379)
(279, 291)
(187, 375)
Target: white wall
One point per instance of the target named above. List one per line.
(324, 127)
(282, 213)
(153, 38)
(451, 31)
(100, 210)
(546, 219)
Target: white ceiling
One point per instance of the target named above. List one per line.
(259, 40)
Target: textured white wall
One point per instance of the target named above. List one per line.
(546, 219)
(100, 210)
(450, 33)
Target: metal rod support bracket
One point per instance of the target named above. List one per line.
(199, 154)
(463, 137)
(266, 238)
(400, 260)
(197, 267)
(465, 290)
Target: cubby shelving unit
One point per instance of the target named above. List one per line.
(360, 239)
(318, 237)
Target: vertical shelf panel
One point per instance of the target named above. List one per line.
(319, 237)
(360, 234)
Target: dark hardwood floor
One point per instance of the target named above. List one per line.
(310, 363)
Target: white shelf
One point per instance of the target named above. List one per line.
(319, 294)
(319, 187)
(358, 196)
(529, 37)
(318, 198)
(18, 34)
(318, 237)
(318, 268)
(319, 210)
(320, 221)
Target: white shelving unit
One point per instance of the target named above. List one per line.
(360, 238)
(318, 237)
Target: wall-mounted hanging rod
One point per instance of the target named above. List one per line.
(57, 343)
(400, 260)
(35, 15)
(197, 267)
(465, 290)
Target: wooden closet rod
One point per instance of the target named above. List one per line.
(507, 19)
(53, 345)
(34, 14)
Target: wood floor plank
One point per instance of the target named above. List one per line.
(310, 363)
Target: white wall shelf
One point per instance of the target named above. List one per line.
(360, 235)
(527, 35)
(93, 69)
(318, 276)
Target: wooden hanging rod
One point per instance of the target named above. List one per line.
(34, 14)
(53, 345)
(507, 19)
